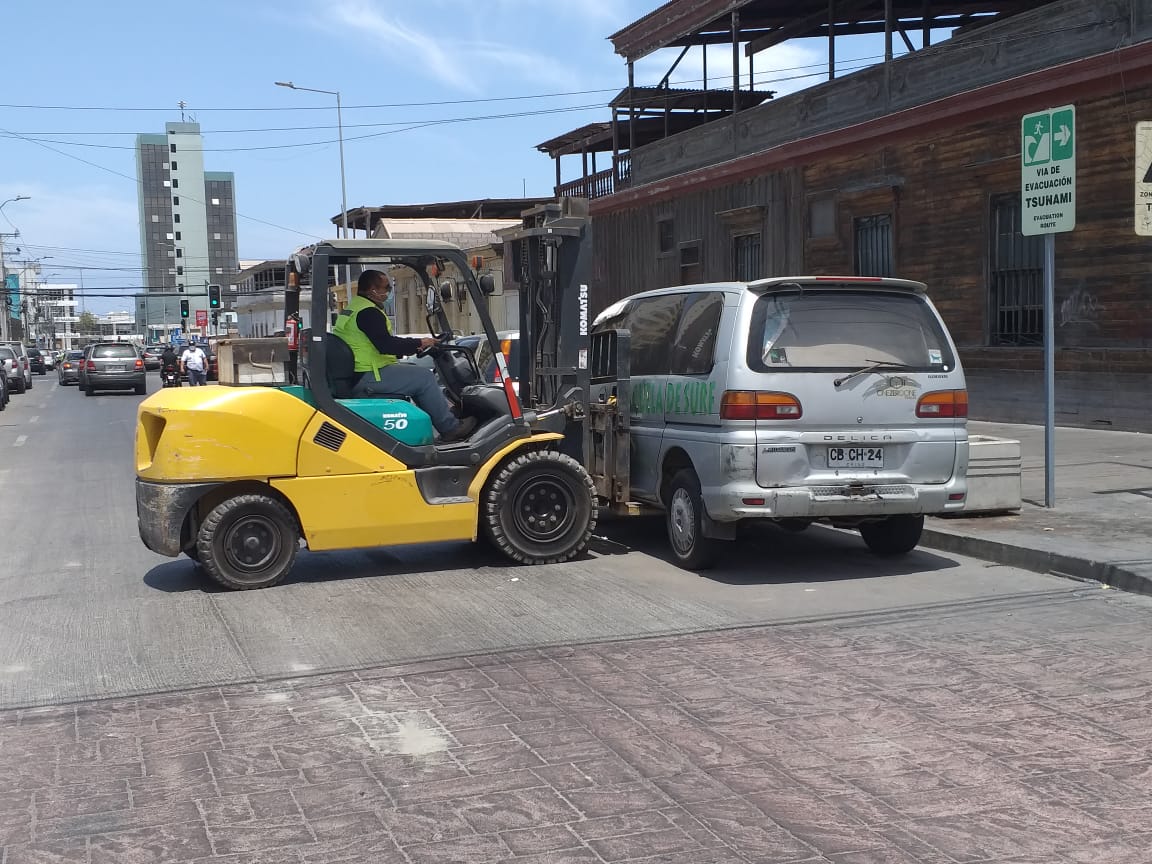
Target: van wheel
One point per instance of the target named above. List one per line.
(249, 541)
(896, 535)
(539, 508)
(691, 549)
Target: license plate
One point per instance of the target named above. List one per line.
(855, 457)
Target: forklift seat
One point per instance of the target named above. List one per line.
(341, 368)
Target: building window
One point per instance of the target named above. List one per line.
(175, 184)
(179, 253)
(216, 236)
(216, 201)
(177, 235)
(172, 148)
(822, 217)
(167, 183)
(171, 271)
(874, 245)
(174, 168)
(164, 165)
(1016, 278)
(691, 269)
(746, 257)
(665, 236)
(219, 269)
(168, 236)
(176, 218)
(176, 201)
(155, 218)
(179, 271)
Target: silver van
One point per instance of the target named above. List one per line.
(796, 400)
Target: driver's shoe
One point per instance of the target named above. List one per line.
(463, 429)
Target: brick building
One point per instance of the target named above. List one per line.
(912, 168)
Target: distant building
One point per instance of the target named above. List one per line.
(187, 226)
(51, 315)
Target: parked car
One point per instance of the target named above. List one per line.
(152, 358)
(13, 369)
(510, 348)
(36, 362)
(22, 356)
(114, 366)
(68, 369)
(5, 390)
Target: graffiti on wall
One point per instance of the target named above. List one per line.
(1080, 307)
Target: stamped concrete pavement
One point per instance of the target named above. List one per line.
(1006, 730)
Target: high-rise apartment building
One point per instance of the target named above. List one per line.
(187, 230)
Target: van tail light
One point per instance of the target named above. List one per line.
(139, 363)
(759, 405)
(943, 403)
(90, 365)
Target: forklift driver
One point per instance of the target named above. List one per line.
(364, 326)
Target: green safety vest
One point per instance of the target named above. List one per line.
(365, 356)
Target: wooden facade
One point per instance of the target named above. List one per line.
(926, 192)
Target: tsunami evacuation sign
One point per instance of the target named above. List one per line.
(1048, 171)
(1144, 178)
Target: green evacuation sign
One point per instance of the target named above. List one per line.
(1048, 171)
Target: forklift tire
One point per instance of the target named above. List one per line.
(539, 508)
(690, 548)
(249, 541)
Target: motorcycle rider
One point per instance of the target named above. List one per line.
(170, 363)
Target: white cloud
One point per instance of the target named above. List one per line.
(465, 65)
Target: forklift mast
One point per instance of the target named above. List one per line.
(552, 256)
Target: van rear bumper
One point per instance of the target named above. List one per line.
(733, 502)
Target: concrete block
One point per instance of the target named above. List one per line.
(994, 466)
(252, 361)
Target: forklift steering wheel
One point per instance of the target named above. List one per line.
(432, 349)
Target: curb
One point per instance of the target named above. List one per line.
(1116, 575)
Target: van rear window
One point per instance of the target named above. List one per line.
(845, 330)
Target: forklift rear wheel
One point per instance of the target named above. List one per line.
(691, 549)
(249, 541)
(540, 508)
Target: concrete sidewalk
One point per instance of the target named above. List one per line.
(1101, 526)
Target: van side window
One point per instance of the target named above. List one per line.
(694, 349)
(652, 322)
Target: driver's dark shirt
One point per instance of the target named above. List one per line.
(169, 358)
(374, 325)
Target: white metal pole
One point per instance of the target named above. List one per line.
(1049, 370)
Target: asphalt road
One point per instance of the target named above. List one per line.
(86, 611)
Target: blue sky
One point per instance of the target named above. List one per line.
(86, 77)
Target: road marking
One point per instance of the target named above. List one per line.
(34, 418)
(20, 439)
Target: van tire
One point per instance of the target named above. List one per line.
(539, 508)
(685, 519)
(896, 535)
(256, 527)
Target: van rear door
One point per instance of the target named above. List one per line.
(867, 384)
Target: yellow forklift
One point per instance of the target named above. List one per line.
(238, 477)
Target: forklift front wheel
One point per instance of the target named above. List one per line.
(540, 508)
(249, 541)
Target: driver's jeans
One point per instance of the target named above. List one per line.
(408, 379)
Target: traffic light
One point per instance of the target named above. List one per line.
(183, 308)
(213, 296)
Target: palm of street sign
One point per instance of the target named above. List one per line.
(1048, 171)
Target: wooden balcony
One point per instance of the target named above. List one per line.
(599, 184)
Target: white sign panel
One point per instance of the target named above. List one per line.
(1048, 171)
(1144, 178)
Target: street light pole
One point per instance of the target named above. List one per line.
(340, 139)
